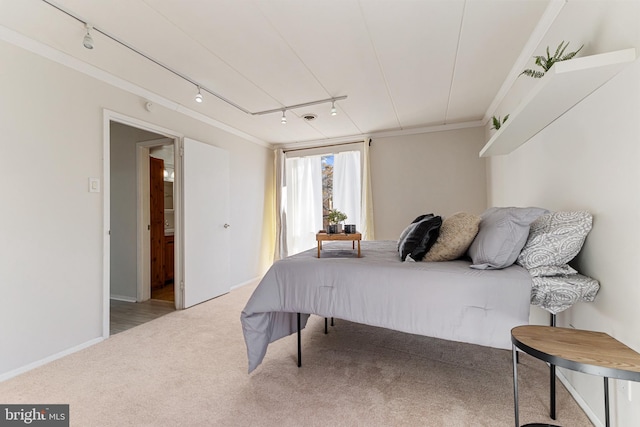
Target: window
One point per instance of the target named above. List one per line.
(303, 207)
(316, 184)
(327, 188)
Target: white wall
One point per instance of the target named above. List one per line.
(590, 159)
(123, 240)
(437, 172)
(51, 225)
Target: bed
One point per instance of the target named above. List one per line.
(445, 300)
(482, 275)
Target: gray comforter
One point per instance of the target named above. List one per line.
(445, 300)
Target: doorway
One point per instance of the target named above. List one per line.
(130, 296)
(161, 221)
(201, 216)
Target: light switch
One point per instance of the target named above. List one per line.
(94, 185)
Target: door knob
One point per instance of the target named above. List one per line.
(227, 226)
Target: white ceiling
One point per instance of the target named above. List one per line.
(403, 64)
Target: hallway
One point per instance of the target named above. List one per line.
(127, 315)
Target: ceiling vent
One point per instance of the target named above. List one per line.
(309, 117)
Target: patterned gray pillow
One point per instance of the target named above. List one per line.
(555, 239)
(552, 270)
(558, 293)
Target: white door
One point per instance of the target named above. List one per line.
(206, 222)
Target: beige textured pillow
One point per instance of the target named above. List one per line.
(456, 234)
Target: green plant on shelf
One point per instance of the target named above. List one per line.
(497, 123)
(547, 62)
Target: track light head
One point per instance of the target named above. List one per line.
(333, 108)
(199, 96)
(283, 120)
(87, 41)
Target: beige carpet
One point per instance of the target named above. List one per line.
(189, 368)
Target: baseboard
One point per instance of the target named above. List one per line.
(248, 282)
(579, 400)
(122, 298)
(30, 366)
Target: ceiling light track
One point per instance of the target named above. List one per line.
(87, 39)
(306, 104)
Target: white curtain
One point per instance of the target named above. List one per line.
(367, 198)
(280, 250)
(304, 202)
(346, 186)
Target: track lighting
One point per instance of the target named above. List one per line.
(284, 108)
(87, 41)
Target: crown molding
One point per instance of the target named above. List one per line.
(69, 61)
(381, 134)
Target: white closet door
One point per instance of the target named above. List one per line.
(206, 222)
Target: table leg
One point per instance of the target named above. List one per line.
(552, 391)
(515, 385)
(606, 401)
(358, 248)
(319, 247)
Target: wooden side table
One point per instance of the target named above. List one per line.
(590, 352)
(354, 237)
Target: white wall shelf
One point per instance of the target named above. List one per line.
(563, 86)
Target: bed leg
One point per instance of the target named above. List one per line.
(299, 344)
(326, 325)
